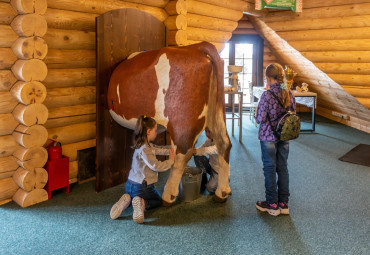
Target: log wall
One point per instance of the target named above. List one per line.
(61, 56)
(335, 36)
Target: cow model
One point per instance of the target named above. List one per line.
(182, 89)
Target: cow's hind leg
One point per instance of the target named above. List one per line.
(171, 190)
(223, 144)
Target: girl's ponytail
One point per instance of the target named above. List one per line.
(143, 123)
(276, 72)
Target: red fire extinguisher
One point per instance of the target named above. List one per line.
(54, 150)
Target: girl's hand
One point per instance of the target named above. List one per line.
(172, 154)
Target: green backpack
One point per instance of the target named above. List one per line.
(288, 126)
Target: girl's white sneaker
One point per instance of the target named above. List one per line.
(139, 206)
(120, 206)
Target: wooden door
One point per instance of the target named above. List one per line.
(118, 34)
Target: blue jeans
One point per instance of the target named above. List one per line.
(148, 192)
(202, 162)
(274, 158)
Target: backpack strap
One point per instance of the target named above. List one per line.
(274, 95)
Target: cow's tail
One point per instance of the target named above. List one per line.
(216, 119)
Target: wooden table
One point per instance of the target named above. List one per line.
(308, 99)
(236, 116)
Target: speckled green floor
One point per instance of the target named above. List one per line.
(330, 210)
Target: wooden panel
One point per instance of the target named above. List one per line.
(119, 33)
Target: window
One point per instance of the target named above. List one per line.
(246, 51)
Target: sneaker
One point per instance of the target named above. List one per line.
(272, 209)
(283, 206)
(139, 206)
(120, 206)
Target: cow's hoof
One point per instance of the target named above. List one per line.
(166, 204)
(218, 199)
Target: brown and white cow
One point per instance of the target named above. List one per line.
(182, 89)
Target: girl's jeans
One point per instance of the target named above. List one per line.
(148, 192)
(274, 158)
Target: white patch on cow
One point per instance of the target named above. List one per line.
(119, 97)
(122, 121)
(204, 112)
(134, 54)
(162, 69)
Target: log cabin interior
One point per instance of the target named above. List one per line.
(49, 92)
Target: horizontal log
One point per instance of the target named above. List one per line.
(176, 7)
(7, 124)
(73, 171)
(30, 179)
(176, 37)
(29, 92)
(7, 36)
(344, 68)
(327, 34)
(31, 114)
(245, 31)
(7, 80)
(244, 24)
(73, 133)
(321, 23)
(61, 97)
(7, 145)
(200, 21)
(357, 91)
(26, 199)
(30, 47)
(364, 101)
(29, 25)
(26, 6)
(7, 13)
(68, 111)
(201, 34)
(269, 57)
(70, 150)
(8, 164)
(70, 39)
(332, 45)
(6, 175)
(210, 10)
(65, 121)
(219, 46)
(352, 122)
(229, 4)
(351, 79)
(70, 58)
(156, 3)
(30, 158)
(7, 58)
(100, 7)
(7, 102)
(29, 137)
(7, 188)
(62, 19)
(76, 77)
(319, 13)
(176, 22)
(30, 70)
(338, 56)
(320, 3)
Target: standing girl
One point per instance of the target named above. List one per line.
(274, 152)
(144, 172)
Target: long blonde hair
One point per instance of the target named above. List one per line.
(276, 72)
(143, 123)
